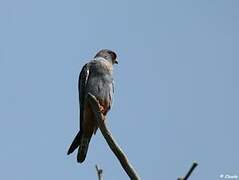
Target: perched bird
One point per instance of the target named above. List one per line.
(96, 77)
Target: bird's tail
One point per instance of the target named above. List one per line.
(83, 148)
(76, 142)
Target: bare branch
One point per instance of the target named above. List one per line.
(194, 165)
(110, 140)
(99, 173)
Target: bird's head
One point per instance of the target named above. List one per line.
(108, 55)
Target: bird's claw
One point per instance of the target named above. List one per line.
(101, 109)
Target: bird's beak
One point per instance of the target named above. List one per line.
(116, 61)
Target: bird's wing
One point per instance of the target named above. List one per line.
(83, 78)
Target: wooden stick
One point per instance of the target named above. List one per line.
(194, 165)
(99, 173)
(110, 140)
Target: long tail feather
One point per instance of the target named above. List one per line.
(83, 148)
(76, 142)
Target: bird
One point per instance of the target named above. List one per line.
(96, 77)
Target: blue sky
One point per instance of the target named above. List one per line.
(176, 95)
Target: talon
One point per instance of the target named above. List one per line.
(101, 109)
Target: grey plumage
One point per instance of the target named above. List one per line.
(100, 82)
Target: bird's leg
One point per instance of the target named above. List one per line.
(101, 109)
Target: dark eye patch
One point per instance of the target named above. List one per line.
(113, 55)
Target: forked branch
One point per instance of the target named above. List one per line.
(100, 118)
(99, 173)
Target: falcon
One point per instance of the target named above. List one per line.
(96, 77)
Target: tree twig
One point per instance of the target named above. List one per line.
(99, 173)
(194, 165)
(110, 140)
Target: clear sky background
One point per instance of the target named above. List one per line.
(176, 93)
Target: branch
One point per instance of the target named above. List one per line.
(99, 172)
(110, 140)
(194, 165)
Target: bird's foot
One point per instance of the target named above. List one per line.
(102, 110)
